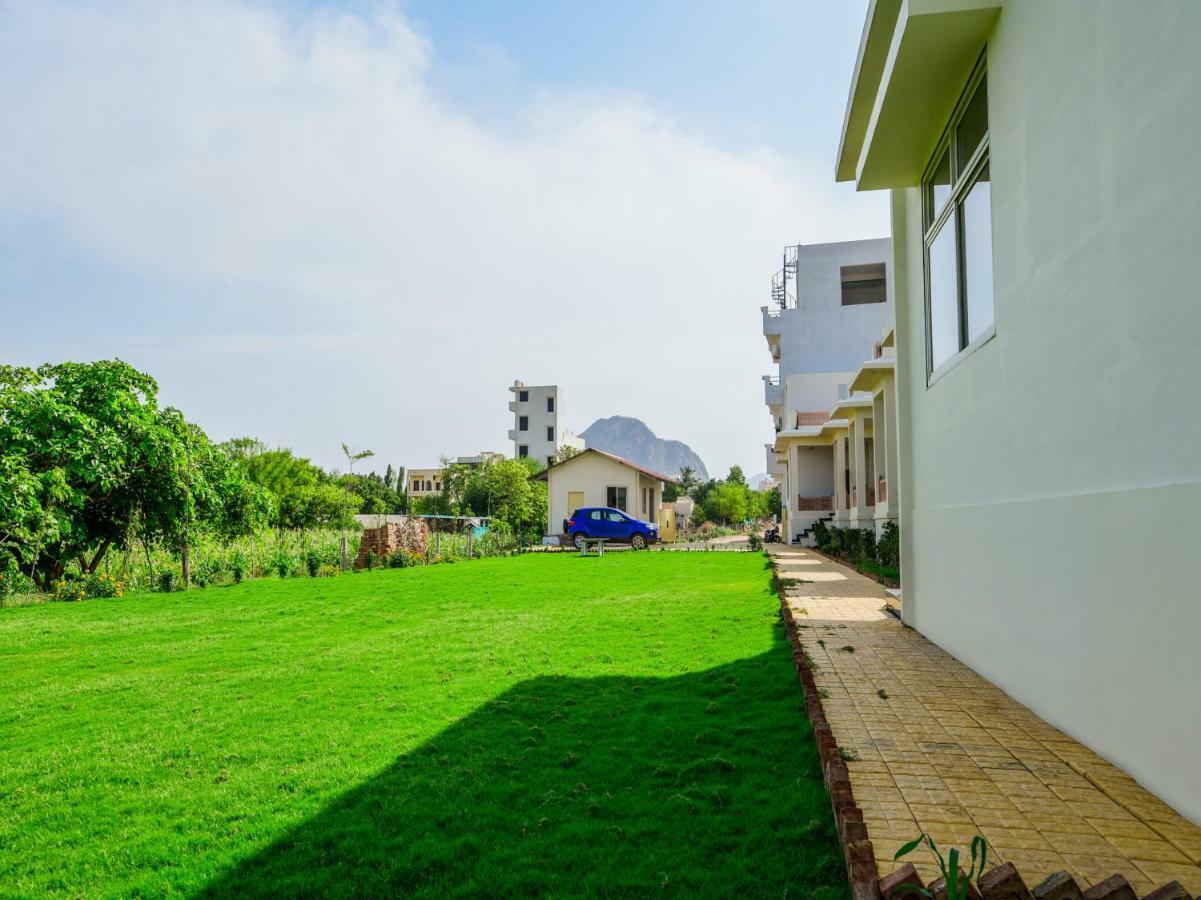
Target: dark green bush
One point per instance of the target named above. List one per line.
(166, 581)
(370, 560)
(867, 545)
(888, 548)
(821, 535)
(237, 567)
(312, 561)
(398, 559)
(283, 563)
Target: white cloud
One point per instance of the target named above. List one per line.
(591, 241)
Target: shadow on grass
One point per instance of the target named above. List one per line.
(703, 783)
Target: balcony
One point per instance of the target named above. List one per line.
(773, 391)
(814, 504)
(512, 406)
(853, 500)
(771, 331)
(774, 462)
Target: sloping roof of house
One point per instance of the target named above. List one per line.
(658, 476)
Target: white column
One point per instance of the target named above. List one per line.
(840, 464)
(892, 470)
(859, 472)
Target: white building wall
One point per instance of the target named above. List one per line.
(592, 474)
(539, 419)
(1051, 481)
(820, 334)
(817, 391)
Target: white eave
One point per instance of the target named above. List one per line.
(914, 58)
(869, 373)
(852, 403)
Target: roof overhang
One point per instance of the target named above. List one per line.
(914, 58)
(808, 436)
(872, 372)
(544, 474)
(850, 407)
(834, 426)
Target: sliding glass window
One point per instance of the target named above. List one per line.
(957, 216)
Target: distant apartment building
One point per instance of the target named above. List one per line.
(423, 482)
(1041, 164)
(427, 482)
(537, 422)
(830, 305)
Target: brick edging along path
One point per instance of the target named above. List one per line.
(852, 832)
(999, 883)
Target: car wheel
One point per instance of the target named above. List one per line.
(638, 541)
(578, 540)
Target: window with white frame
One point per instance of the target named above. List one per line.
(957, 217)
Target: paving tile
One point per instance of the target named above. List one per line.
(950, 753)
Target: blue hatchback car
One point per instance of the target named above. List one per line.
(606, 522)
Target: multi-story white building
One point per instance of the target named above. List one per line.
(830, 303)
(1041, 159)
(537, 422)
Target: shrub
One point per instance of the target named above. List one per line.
(312, 561)
(754, 542)
(867, 544)
(834, 541)
(237, 566)
(207, 572)
(821, 535)
(283, 563)
(888, 548)
(166, 581)
(329, 570)
(73, 589)
(370, 560)
(398, 559)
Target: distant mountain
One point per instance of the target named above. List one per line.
(756, 480)
(631, 439)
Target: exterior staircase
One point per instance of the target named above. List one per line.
(805, 538)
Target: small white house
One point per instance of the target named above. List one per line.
(595, 478)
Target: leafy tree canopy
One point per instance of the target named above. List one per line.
(89, 460)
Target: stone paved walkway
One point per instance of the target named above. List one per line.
(940, 749)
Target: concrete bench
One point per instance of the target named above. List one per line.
(598, 543)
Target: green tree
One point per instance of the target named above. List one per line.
(516, 501)
(688, 480)
(565, 453)
(736, 476)
(773, 501)
(89, 456)
(727, 503)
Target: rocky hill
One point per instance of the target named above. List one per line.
(632, 439)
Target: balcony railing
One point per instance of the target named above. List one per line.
(815, 504)
(773, 391)
(811, 419)
(854, 498)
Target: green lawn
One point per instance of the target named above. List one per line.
(542, 724)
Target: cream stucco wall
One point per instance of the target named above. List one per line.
(593, 474)
(1051, 482)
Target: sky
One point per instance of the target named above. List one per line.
(320, 223)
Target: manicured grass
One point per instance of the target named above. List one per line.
(534, 725)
